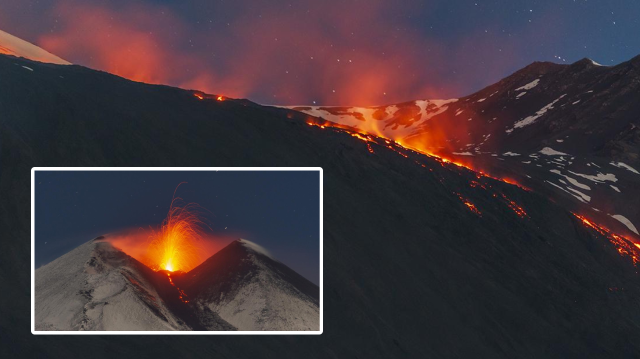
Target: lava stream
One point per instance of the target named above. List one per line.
(624, 246)
(181, 294)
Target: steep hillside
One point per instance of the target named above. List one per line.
(569, 131)
(422, 258)
(253, 291)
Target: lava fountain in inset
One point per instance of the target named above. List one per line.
(176, 245)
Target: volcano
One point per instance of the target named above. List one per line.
(569, 131)
(98, 287)
(411, 270)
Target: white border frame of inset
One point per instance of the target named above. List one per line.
(186, 169)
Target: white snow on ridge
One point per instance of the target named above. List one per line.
(529, 86)
(579, 197)
(583, 197)
(551, 152)
(595, 63)
(625, 166)
(510, 154)
(262, 299)
(599, 178)
(626, 222)
(572, 180)
(256, 248)
(363, 117)
(531, 119)
(11, 45)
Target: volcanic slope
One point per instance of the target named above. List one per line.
(410, 269)
(251, 290)
(97, 287)
(569, 131)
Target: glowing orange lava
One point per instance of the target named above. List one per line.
(203, 96)
(514, 206)
(401, 148)
(472, 207)
(623, 245)
(181, 294)
(176, 246)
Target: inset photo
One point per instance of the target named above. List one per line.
(176, 251)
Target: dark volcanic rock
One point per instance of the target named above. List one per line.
(409, 270)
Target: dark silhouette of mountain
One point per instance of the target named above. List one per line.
(421, 258)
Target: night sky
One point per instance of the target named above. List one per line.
(278, 210)
(338, 52)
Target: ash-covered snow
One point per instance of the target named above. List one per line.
(250, 290)
(98, 287)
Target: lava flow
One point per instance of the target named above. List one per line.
(181, 294)
(472, 207)
(203, 96)
(176, 246)
(401, 148)
(624, 246)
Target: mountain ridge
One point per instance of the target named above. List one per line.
(585, 113)
(399, 268)
(116, 292)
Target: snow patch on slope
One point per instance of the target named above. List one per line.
(531, 119)
(98, 287)
(625, 166)
(626, 222)
(529, 86)
(255, 247)
(551, 152)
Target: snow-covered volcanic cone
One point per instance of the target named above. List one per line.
(251, 290)
(97, 286)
